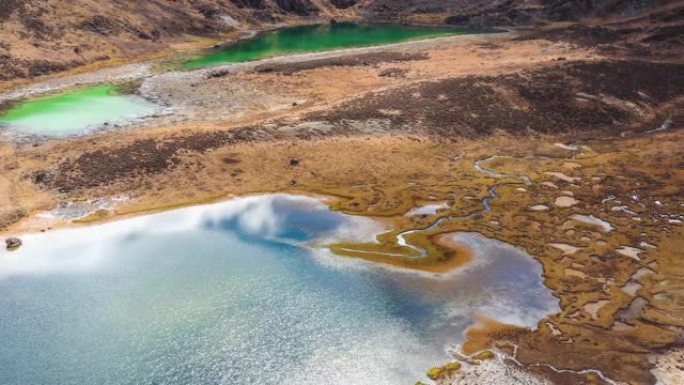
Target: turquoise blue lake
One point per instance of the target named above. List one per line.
(242, 292)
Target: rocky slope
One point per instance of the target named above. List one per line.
(40, 37)
(510, 12)
(633, 28)
(44, 36)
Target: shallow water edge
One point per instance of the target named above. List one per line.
(218, 278)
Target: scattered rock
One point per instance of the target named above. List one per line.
(592, 220)
(566, 201)
(593, 307)
(633, 311)
(539, 208)
(393, 73)
(565, 248)
(624, 209)
(647, 245)
(219, 74)
(563, 177)
(631, 288)
(642, 272)
(13, 243)
(628, 251)
(566, 146)
(568, 272)
(554, 330)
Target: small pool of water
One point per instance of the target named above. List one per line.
(321, 37)
(237, 293)
(75, 112)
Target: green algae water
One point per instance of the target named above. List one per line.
(74, 112)
(315, 38)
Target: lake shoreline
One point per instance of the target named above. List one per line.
(236, 243)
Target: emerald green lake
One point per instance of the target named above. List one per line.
(74, 112)
(314, 38)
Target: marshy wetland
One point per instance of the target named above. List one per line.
(495, 213)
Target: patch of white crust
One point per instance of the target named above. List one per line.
(593, 307)
(669, 368)
(566, 201)
(592, 220)
(554, 330)
(492, 372)
(539, 208)
(569, 147)
(563, 177)
(565, 248)
(429, 209)
(628, 251)
(631, 288)
(572, 165)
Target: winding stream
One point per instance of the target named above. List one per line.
(486, 206)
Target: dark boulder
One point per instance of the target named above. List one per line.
(8, 7)
(13, 243)
(343, 4)
(101, 25)
(298, 7)
(255, 4)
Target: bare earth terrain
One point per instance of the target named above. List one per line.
(565, 140)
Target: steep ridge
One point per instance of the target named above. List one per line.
(631, 28)
(509, 12)
(44, 36)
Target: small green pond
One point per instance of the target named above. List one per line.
(314, 38)
(74, 112)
